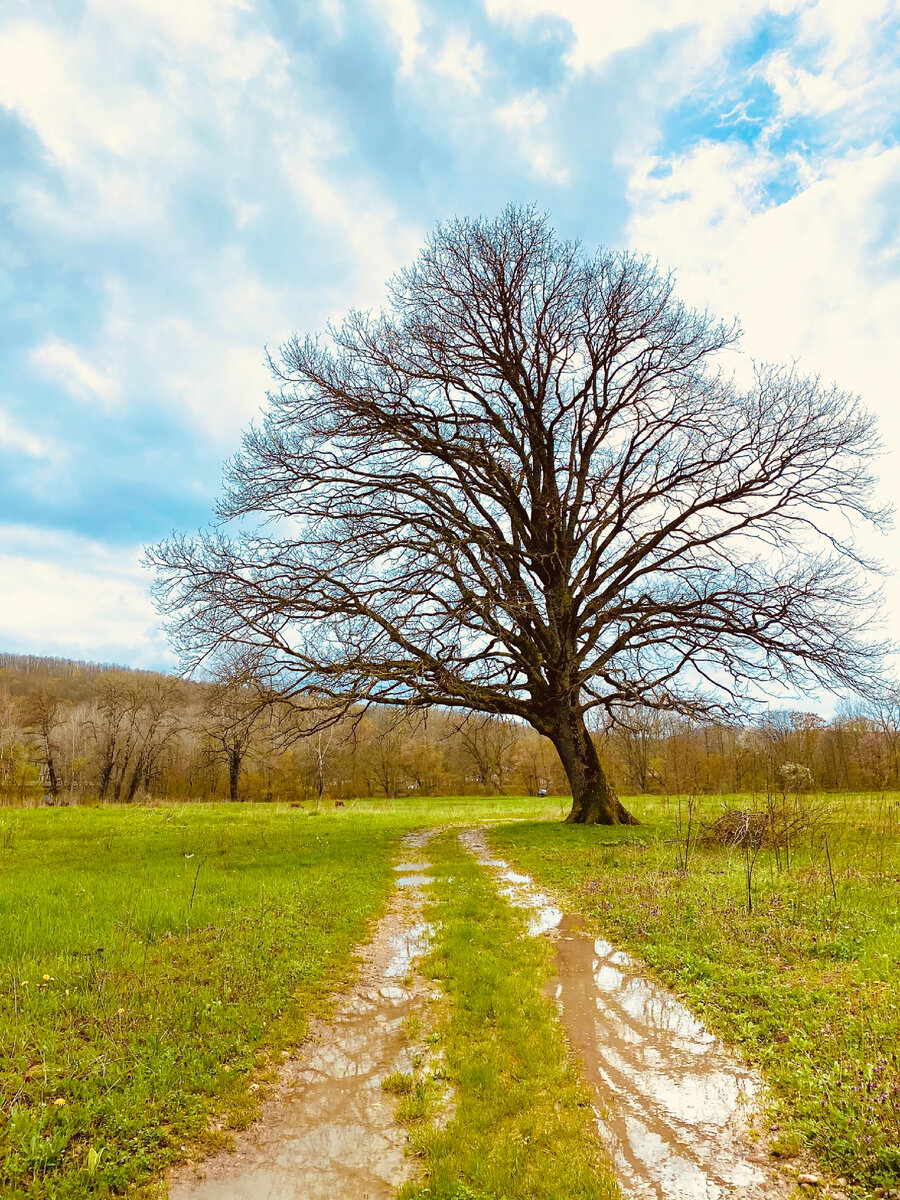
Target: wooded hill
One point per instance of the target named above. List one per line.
(86, 731)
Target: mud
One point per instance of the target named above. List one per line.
(674, 1106)
(328, 1130)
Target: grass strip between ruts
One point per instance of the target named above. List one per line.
(522, 1125)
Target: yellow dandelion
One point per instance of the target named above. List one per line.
(59, 1102)
(46, 979)
(121, 1012)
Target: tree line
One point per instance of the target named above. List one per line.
(77, 732)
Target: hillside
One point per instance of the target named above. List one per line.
(24, 675)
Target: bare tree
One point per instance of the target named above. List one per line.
(134, 724)
(489, 747)
(232, 711)
(10, 740)
(537, 764)
(42, 717)
(529, 489)
(318, 751)
(111, 727)
(638, 730)
(157, 708)
(884, 712)
(424, 766)
(382, 757)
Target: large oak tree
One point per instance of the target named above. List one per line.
(528, 488)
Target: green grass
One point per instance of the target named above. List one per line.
(151, 959)
(522, 1126)
(154, 959)
(808, 983)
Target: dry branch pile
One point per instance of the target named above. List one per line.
(787, 821)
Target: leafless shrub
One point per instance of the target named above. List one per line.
(737, 827)
(786, 822)
(795, 777)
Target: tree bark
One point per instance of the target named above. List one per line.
(593, 800)
(234, 773)
(51, 774)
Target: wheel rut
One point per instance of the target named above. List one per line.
(327, 1130)
(675, 1107)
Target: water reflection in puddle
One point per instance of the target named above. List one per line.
(518, 889)
(408, 946)
(672, 1101)
(675, 1100)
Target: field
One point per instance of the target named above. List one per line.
(156, 960)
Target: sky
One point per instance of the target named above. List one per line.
(186, 182)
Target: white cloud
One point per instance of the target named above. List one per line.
(405, 22)
(370, 240)
(816, 277)
(71, 596)
(45, 78)
(840, 64)
(841, 31)
(603, 30)
(116, 100)
(525, 117)
(463, 62)
(204, 370)
(16, 438)
(202, 24)
(523, 112)
(124, 101)
(65, 364)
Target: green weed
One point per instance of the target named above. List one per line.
(400, 1083)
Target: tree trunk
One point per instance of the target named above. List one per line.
(134, 783)
(51, 773)
(234, 773)
(593, 800)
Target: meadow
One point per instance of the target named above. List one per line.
(155, 962)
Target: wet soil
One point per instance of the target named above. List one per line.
(674, 1106)
(327, 1131)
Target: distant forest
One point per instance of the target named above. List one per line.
(77, 731)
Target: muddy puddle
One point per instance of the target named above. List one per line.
(327, 1131)
(673, 1104)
